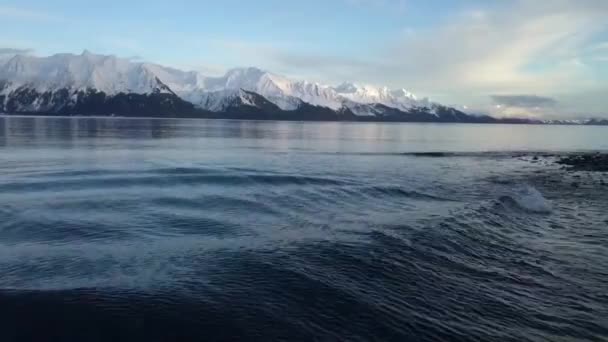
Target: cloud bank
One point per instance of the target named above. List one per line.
(513, 47)
(524, 101)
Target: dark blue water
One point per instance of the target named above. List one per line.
(186, 230)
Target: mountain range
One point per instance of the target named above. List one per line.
(92, 84)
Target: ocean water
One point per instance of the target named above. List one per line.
(211, 230)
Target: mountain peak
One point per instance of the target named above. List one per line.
(403, 93)
(249, 72)
(346, 87)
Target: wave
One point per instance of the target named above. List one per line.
(527, 198)
(396, 191)
(178, 178)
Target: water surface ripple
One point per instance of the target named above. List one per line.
(169, 230)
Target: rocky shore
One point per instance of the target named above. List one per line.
(597, 162)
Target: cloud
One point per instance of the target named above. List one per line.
(598, 52)
(531, 106)
(5, 51)
(523, 101)
(514, 47)
(27, 14)
(390, 4)
(528, 47)
(295, 61)
(319, 66)
(603, 46)
(549, 49)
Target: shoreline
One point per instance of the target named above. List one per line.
(122, 117)
(360, 120)
(590, 162)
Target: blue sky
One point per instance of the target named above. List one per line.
(469, 52)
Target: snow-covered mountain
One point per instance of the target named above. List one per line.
(589, 122)
(62, 81)
(227, 99)
(112, 75)
(286, 93)
(289, 94)
(73, 84)
(107, 74)
(398, 98)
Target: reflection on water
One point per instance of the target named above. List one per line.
(327, 136)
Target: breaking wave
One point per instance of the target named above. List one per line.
(527, 198)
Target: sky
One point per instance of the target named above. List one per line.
(536, 58)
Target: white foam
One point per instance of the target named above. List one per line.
(528, 198)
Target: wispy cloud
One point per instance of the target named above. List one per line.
(490, 50)
(499, 51)
(28, 14)
(339, 67)
(5, 51)
(519, 46)
(389, 4)
(135, 58)
(603, 46)
(296, 61)
(524, 101)
(524, 106)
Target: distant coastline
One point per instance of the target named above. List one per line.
(217, 116)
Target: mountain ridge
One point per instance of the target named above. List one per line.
(92, 84)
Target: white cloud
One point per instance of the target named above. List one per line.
(524, 101)
(497, 51)
(520, 47)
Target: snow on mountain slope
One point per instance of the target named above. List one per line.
(400, 99)
(288, 94)
(285, 93)
(112, 76)
(5, 58)
(223, 100)
(177, 80)
(107, 74)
